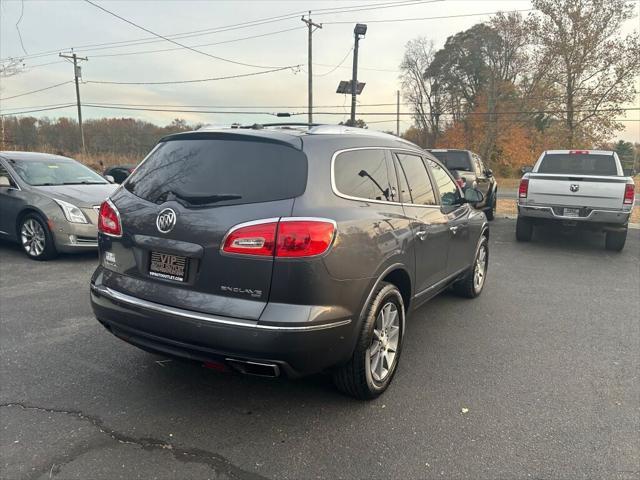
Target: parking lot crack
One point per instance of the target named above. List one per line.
(216, 462)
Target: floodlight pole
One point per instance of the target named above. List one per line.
(360, 29)
(310, 26)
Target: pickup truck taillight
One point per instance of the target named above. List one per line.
(629, 194)
(289, 237)
(523, 190)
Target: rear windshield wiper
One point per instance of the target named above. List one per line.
(197, 200)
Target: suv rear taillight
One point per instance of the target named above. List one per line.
(629, 194)
(523, 190)
(252, 239)
(109, 219)
(304, 238)
(289, 237)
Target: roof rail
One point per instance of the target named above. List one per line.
(312, 129)
(344, 129)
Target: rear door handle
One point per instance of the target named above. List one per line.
(454, 229)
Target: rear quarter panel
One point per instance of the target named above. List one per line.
(370, 237)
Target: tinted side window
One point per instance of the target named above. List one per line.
(419, 183)
(447, 188)
(365, 174)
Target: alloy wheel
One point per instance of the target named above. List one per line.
(480, 268)
(384, 345)
(33, 237)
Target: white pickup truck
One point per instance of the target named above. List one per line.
(577, 188)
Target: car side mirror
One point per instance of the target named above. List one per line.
(473, 196)
(5, 182)
(489, 172)
(110, 179)
(526, 169)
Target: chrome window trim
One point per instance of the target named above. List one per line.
(338, 193)
(11, 187)
(191, 315)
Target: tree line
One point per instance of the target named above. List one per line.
(125, 137)
(516, 85)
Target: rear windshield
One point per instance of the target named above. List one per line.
(578, 164)
(200, 172)
(454, 160)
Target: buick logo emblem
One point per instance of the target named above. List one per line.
(166, 220)
(574, 187)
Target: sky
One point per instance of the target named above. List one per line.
(50, 27)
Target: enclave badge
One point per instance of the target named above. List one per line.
(166, 220)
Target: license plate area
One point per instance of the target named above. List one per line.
(571, 212)
(168, 267)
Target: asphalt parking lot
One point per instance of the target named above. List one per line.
(545, 365)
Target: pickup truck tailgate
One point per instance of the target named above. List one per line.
(602, 192)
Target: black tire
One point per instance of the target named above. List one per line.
(615, 240)
(491, 211)
(467, 286)
(31, 226)
(356, 378)
(524, 230)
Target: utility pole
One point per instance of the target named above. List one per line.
(77, 73)
(398, 113)
(310, 26)
(358, 32)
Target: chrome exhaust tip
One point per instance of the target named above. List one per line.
(258, 369)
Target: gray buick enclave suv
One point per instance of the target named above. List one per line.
(285, 250)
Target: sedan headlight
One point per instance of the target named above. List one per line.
(72, 213)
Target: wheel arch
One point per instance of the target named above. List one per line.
(398, 275)
(26, 211)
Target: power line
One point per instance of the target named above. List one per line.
(237, 26)
(178, 43)
(199, 80)
(18, 27)
(139, 52)
(253, 112)
(337, 66)
(37, 110)
(415, 19)
(36, 91)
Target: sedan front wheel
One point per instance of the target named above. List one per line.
(36, 239)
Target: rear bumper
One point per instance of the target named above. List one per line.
(297, 349)
(593, 216)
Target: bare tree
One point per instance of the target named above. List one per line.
(8, 68)
(421, 91)
(592, 65)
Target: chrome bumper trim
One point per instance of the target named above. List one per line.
(604, 216)
(156, 307)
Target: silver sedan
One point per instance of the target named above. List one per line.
(49, 203)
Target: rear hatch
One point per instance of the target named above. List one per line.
(211, 182)
(577, 180)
